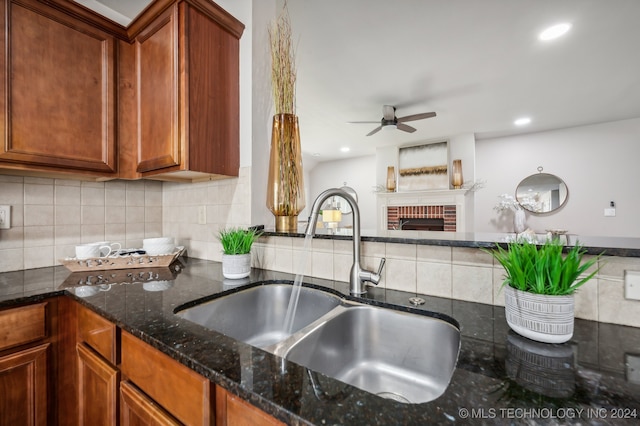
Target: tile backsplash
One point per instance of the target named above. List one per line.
(49, 217)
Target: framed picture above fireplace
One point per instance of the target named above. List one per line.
(423, 167)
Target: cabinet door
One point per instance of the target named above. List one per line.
(58, 73)
(97, 389)
(157, 73)
(138, 409)
(23, 387)
(187, 79)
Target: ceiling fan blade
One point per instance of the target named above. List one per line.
(406, 128)
(388, 112)
(363, 122)
(417, 117)
(374, 131)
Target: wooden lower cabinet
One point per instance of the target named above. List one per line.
(97, 389)
(179, 390)
(61, 363)
(233, 411)
(137, 409)
(23, 387)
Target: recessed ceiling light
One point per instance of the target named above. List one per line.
(345, 149)
(554, 32)
(522, 121)
(315, 154)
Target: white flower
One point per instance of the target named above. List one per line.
(507, 202)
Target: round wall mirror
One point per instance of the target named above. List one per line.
(542, 193)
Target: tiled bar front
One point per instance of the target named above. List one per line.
(461, 273)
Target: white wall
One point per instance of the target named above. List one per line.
(599, 163)
(264, 12)
(359, 173)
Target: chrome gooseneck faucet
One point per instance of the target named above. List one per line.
(358, 275)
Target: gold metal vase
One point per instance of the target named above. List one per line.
(285, 185)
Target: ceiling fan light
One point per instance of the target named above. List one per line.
(390, 127)
(554, 31)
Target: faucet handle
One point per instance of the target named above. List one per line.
(372, 277)
(382, 262)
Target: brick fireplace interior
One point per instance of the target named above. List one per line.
(419, 218)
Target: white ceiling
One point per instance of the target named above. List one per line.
(120, 11)
(477, 63)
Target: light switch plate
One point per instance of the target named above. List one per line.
(5, 217)
(633, 368)
(609, 212)
(202, 215)
(632, 285)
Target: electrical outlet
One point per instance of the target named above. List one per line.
(610, 212)
(202, 215)
(632, 363)
(5, 217)
(632, 285)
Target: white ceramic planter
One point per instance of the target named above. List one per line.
(236, 266)
(547, 319)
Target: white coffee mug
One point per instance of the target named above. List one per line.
(87, 251)
(113, 248)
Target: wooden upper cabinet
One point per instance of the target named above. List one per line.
(157, 72)
(187, 93)
(58, 92)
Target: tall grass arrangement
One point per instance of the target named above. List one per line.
(237, 240)
(544, 269)
(283, 64)
(285, 186)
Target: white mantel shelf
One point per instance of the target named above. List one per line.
(432, 194)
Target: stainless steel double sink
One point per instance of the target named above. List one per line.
(408, 357)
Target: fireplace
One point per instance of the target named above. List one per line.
(421, 224)
(414, 211)
(422, 218)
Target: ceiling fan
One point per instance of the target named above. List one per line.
(389, 119)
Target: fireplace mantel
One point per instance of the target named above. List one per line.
(460, 198)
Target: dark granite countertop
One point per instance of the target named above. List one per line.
(610, 246)
(500, 378)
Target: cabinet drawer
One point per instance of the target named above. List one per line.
(182, 392)
(98, 333)
(233, 411)
(22, 325)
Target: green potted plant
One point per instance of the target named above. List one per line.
(236, 251)
(540, 281)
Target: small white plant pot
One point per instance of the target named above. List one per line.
(547, 319)
(236, 266)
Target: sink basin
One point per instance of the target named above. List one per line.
(397, 355)
(256, 315)
(408, 357)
